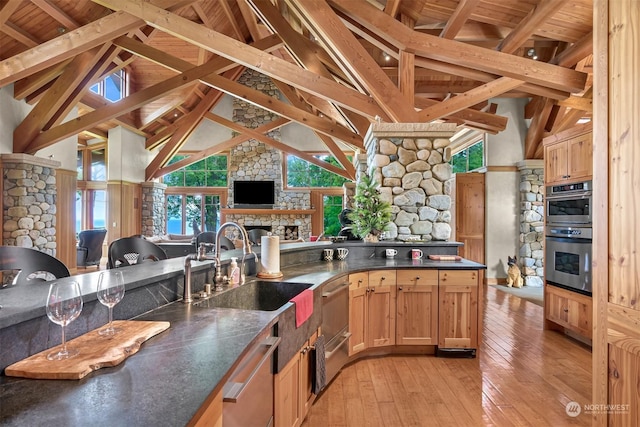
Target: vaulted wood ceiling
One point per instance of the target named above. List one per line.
(340, 64)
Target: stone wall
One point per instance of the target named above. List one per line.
(29, 202)
(154, 219)
(531, 255)
(410, 161)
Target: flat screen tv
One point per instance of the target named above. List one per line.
(253, 194)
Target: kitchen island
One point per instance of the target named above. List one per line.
(176, 372)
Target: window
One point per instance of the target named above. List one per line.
(209, 172)
(91, 195)
(196, 193)
(332, 206)
(185, 209)
(113, 87)
(468, 159)
(301, 173)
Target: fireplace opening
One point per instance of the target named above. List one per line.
(257, 227)
(291, 232)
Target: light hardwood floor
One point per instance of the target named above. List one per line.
(524, 376)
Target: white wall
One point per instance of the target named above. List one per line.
(502, 219)
(127, 156)
(13, 112)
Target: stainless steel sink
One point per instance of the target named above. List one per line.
(260, 295)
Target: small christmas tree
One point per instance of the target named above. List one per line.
(370, 214)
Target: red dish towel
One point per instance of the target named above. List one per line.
(304, 306)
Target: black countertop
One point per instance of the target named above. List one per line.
(166, 382)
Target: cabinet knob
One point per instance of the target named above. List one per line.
(417, 278)
(566, 310)
(399, 288)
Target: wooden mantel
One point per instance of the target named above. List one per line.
(232, 211)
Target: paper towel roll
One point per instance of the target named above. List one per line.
(270, 250)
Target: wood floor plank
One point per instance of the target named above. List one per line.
(523, 376)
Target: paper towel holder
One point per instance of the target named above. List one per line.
(269, 274)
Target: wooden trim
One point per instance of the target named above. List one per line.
(501, 169)
(267, 211)
(567, 134)
(66, 217)
(600, 257)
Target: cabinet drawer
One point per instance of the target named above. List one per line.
(380, 278)
(358, 280)
(417, 277)
(458, 278)
(570, 310)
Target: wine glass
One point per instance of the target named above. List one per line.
(110, 292)
(64, 304)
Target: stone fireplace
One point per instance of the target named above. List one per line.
(256, 161)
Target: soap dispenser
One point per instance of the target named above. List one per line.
(235, 272)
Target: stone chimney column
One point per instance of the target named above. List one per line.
(410, 161)
(531, 240)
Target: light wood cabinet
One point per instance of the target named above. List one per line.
(570, 310)
(381, 309)
(568, 156)
(293, 388)
(210, 414)
(372, 309)
(358, 292)
(458, 309)
(417, 307)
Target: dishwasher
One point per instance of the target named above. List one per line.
(335, 325)
(248, 394)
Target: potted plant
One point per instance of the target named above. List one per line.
(370, 214)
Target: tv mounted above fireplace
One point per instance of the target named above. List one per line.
(254, 194)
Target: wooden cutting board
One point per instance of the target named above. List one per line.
(445, 257)
(96, 351)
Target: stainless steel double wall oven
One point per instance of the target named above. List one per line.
(568, 236)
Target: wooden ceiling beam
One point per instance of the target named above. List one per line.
(302, 50)
(27, 86)
(533, 139)
(251, 95)
(333, 148)
(248, 56)
(485, 77)
(458, 18)
(54, 98)
(406, 76)
(56, 13)
(66, 46)
(347, 52)
(462, 54)
(468, 99)
(527, 27)
(486, 121)
(575, 53)
(17, 33)
(127, 104)
(186, 128)
(221, 146)
(258, 136)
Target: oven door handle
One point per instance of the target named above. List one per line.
(335, 291)
(232, 390)
(345, 338)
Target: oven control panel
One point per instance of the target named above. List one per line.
(570, 232)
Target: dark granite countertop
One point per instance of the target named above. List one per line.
(174, 372)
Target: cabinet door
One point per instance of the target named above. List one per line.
(555, 162)
(287, 395)
(358, 285)
(381, 309)
(580, 157)
(306, 387)
(417, 307)
(569, 310)
(458, 309)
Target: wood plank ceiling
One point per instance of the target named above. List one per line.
(339, 64)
